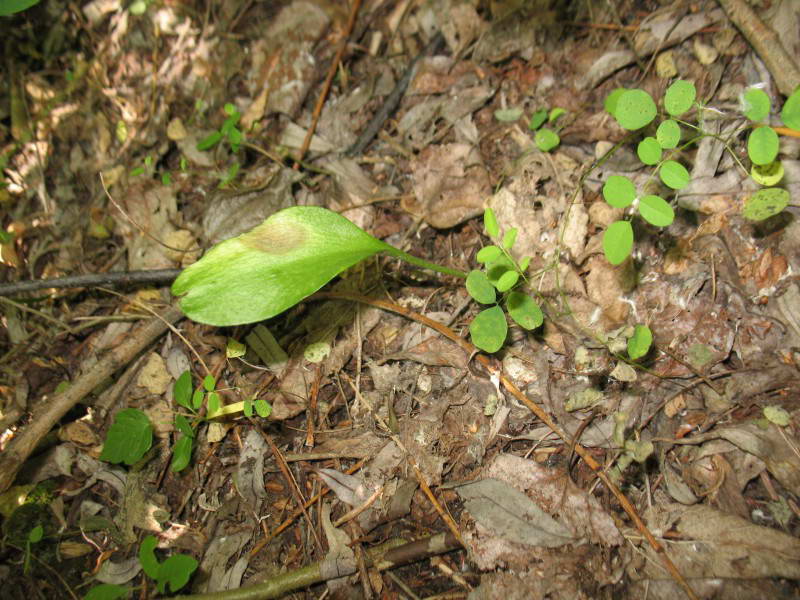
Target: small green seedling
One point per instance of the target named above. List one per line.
(35, 536)
(147, 165)
(635, 109)
(192, 400)
(129, 437)
(501, 274)
(229, 132)
(639, 343)
(546, 138)
(174, 572)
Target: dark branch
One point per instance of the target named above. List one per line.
(93, 280)
(392, 100)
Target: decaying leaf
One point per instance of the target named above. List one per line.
(508, 513)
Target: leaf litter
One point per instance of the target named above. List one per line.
(720, 488)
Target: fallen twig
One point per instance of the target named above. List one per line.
(92, 280)
(389, 555)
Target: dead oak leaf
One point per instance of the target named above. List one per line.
(450, 185)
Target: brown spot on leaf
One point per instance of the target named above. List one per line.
(274, 238)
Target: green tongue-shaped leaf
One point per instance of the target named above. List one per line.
(274, 266)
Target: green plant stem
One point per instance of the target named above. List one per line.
(405, 256)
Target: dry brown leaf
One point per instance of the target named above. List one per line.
(450, 185)
(604, 288)
(555, 493)
(726, 546)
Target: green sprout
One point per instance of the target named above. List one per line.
(192, 400)
(546, 138)
(174, 572)
(131, 435)
(500, 274)
(229, 132)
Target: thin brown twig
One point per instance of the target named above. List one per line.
(290, 480)
(352, 514)
(299, 511)
(91, 280)
(326, 86)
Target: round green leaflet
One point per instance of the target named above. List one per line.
(656, 211)
(639, 343)
(768, 175)
(488, 329)
(479, 287)
(674, 175)
(635, 109)
(755, 104)
(555, 113)
(668, 134)
(507, 281)
(546, 139)
(649, 151)
(496, 269)
(619, 191)
(538, 119)
(765, 203)
(524, 310)
(790, 114)
(488, 254)
(762, 145)
(618, 242)
(36, 534)
(679, 97)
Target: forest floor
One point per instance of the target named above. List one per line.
(361, 446)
